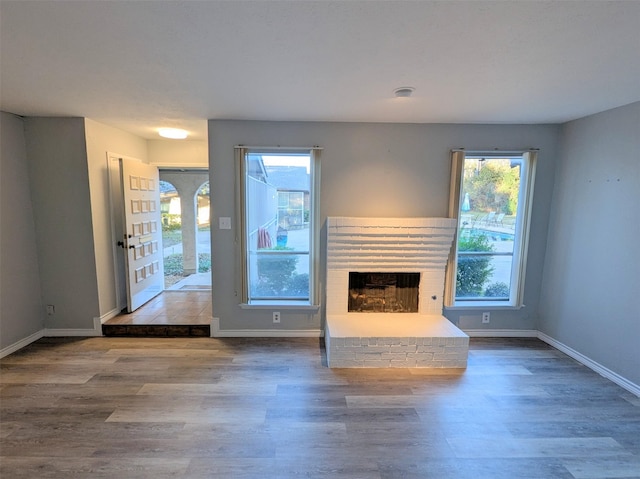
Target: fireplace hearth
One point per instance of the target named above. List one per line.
(384, 294)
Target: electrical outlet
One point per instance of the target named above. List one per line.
(486, 317)
(276, 316)
(51, 309)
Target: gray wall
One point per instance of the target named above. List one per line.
(59, 181)
(592, 267)
(586, 239)
(373, 169)
(21, 312)
(73, 265)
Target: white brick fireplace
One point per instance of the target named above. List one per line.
(391, 339)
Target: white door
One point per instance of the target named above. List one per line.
(142, 232)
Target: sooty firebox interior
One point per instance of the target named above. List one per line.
(383, 292)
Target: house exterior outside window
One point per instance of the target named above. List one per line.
(491, 195)
(278, 203)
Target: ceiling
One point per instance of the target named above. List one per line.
(143, 65)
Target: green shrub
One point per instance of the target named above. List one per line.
(275, 272)
(173, 264)
(299, 285)
(204, 263)
(473, 271)
(171, 222)
(497, 290)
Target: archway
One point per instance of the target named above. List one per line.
(186, 226)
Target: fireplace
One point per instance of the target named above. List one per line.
(383, 292)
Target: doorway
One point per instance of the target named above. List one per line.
(186, 229)
(184, 306)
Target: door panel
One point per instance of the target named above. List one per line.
(143, 234)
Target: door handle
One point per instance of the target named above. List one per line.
(122, 245)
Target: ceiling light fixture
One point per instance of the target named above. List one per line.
(404, 91)
(173, 133)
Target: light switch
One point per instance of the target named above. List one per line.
(224, 223)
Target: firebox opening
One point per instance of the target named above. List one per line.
(383, 292)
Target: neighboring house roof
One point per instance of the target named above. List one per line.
(291, 178)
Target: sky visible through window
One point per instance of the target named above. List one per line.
(287, 160)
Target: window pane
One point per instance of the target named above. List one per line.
(488, 214)
(278, 239)
(295, 200)
(279, 276)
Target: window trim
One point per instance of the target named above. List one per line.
(314, 224)
(522, 227)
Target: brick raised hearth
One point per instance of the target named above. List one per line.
(379, 339)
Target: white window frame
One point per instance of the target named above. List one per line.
(522, 227)
(314, 219)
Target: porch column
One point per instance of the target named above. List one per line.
(187, 184)
(188, 208)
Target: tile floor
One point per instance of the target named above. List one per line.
(170, 308)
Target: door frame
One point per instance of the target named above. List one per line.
(117, 220)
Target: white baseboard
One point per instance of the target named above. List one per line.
(581, 358)
(216, 332)
(591, 364)
(107, 316)
(52, 332)
(59, 333)
(96, 331)
(501, 333)
(21, 344)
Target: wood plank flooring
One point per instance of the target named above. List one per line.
(270, 408)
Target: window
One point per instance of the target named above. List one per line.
(279, 232)
(292, 209)
(491, 198)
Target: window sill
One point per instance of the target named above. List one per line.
(286, 305)
(483, 305)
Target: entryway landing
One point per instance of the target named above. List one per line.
(193, 282)
(172, 313)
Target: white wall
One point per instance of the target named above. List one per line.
(21, 311)
(590, 300)
(373, 169)
(178, 153)
(59, 181)
(101, 139)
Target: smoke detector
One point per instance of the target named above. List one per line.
(404, 91)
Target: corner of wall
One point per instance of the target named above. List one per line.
(21, 306)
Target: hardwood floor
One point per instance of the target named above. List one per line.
(270, 408)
